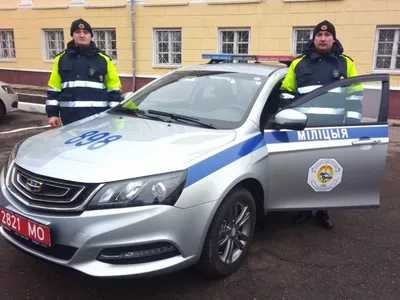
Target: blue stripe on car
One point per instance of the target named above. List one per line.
(218, 161)
(221, 159)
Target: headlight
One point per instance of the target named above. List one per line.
(8, 89)
(11, 158)
(162, 189)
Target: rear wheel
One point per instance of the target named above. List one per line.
(230, 234)
(2, 111)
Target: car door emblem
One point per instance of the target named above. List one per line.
(34, 185)
(325, 175)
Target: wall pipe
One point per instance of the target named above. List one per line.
(133, 45)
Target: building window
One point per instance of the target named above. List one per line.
(54, 43)
(7, 45)
(168, 47)
(106, 41)
(234, 41)
(301, 36)
(387, 50)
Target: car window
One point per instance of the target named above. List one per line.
(223, 99)
(346, 105)
(172, 93)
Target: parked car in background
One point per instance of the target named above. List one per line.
(8, 99)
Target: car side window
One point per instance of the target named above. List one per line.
(351, 104)
(271, 105)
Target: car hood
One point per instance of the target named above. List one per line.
(145, 147)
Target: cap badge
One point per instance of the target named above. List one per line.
(324, 27)
(81, 26)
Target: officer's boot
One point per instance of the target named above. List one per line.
(302, 216)
(323, 219)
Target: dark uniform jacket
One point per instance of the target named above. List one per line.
(83, 82)
(312, 70)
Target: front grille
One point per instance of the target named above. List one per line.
(44, 193)
(57, 251)
(38, 189)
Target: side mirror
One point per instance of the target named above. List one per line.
(290, 119)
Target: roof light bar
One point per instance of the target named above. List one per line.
(275, 57)
(229, 57)
(244, 57)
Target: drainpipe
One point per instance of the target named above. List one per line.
(133, 46)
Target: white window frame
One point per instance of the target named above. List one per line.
(10, 47)
(235, 42)
(108, 39)
(394, 50)
(294, 37)
(155, 48)
(44, 43)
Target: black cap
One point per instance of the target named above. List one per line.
(81, 24)
(325, 26)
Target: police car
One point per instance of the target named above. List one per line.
(179, 174)
(8, 100)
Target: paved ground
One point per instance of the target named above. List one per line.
(359, 259)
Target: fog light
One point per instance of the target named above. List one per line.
(138, 254)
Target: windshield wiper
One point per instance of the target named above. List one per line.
(178, 117)
(138, 112)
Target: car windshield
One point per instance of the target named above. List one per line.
(220, 99)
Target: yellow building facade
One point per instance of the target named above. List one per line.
(152, 37)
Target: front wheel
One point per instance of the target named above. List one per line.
(230, 234)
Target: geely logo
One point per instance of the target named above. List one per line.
(34, 185)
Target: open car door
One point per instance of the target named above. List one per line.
(328, 149)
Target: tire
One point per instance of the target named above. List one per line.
(2, 111)
(217, 260)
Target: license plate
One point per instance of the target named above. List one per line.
(24, 227)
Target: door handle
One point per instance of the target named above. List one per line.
(367, 142)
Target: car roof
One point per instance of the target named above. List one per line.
(249, 68)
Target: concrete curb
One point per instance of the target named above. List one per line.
(32, 107)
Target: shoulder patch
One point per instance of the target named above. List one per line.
(344, 55)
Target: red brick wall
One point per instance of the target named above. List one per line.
(394, 105)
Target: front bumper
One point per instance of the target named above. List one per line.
(77, 240)
(11, 102)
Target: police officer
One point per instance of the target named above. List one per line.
(83, 81)
(322, 62)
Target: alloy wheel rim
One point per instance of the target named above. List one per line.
(234, 233)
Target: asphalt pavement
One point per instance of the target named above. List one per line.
(358, 259)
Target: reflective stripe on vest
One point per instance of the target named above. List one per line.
(321, 110)
(81, 83)
(113, 103)
(310, 88)
(354, 115)
(114, 90)
(287, 96)
(354, 98)
(52, 102)
(84, 103)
